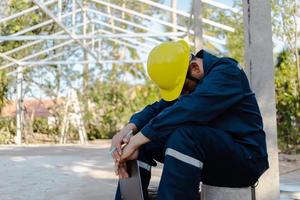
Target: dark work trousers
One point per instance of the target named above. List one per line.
(198, 153)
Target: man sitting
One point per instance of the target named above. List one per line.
(206, 128)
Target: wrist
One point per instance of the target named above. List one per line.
(138, 140)
(130, 127)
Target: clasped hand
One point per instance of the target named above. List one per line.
(129, 152)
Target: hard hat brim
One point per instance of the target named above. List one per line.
(170, 95)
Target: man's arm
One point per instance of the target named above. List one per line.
(136, 123)
(140, 119)
(219, 91)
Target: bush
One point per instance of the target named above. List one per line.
(7, 130)
(287, 103)
(111, 106)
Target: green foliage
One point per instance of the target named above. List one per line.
(8, 124)
(4, 82)
(287, 102)
(20, 23)
(40, 125)
(287, 79)
(7, 130)
(112, 104)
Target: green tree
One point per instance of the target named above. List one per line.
(287, 102)
(287, 71)
(4, 82)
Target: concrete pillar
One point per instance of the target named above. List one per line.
(260, 71)
(174, 15)
(198, 34)
(19, 106)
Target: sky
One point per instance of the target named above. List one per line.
(185, 4)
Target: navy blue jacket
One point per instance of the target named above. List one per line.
(222, 100)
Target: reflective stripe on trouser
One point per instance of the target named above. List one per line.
(144, 165)
(182, 167)
(184, 158)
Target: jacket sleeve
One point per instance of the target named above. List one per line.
(140, 119)
(219, 90)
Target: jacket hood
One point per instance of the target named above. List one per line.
(208, 59)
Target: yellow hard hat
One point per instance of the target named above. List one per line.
(167, 66)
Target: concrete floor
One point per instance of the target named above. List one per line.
(69, 172)
(77, 172)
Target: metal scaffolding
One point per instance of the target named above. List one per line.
(141, 42)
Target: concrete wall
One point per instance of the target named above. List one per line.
(260, 71)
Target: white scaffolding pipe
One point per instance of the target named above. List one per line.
(220, 5)
(25, 12)
(93, 39)
(184, 29)
(85, 55)
(2, 55)
(138, 26)
(73, 16)
(122, 20)
(35, 42)
(68, 42)
(59, 9)
(113, 27)
(19, 106)
(37, 54)
(78, 47)
(128, 34)
(175, 37)
(50, 14)
(123, 30)
(40, 25)
(139, 14)
(48, 58)
(161, 21)
(127, 44)
(185, 14)
(70, 62)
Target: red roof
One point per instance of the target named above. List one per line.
(41, 108)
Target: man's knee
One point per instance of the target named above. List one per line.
(150, 152)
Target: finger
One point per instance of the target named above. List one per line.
(126, 172)
(116, 156)
(113, 141)
(125, 140)
(116, 168)
(119, 150)
(126, 153)
(120, 170)
(123, 171)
